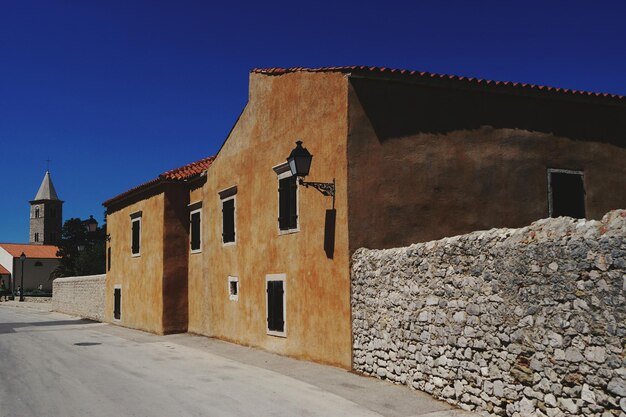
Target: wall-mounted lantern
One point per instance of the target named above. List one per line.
(300, 163)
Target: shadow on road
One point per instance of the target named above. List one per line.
(11, 327)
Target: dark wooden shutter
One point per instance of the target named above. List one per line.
(293, 204)
(136, 231)
(109, 259)
(117, 308)
(275, 318)
(228, 221)
(195, 230)
(287, 202)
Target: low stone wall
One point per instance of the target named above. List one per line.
(80, 296)
(505, 322)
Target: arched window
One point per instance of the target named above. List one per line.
(38, 263)
(36, 212)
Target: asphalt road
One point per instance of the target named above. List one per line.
(56, 365)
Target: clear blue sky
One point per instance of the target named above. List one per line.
(116, 92)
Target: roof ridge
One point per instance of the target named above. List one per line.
(432, 75)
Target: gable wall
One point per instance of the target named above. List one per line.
(281, 110)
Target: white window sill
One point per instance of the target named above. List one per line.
(288, 231)
(277, 334)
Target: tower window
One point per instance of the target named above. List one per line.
(36, 237)
(566, 193)
(36, 212)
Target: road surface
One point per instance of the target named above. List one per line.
(59, 366)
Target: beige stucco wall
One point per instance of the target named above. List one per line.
(140, 277)
(281, 110)
(36, 272)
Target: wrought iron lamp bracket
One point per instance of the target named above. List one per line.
(326, 188)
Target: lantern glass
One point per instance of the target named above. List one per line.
(300, 160)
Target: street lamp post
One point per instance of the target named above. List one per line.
(22, 258)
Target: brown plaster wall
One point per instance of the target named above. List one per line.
(175, 253)
(141, 277)
(281, 109)
(428, 162)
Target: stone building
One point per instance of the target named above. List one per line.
(412, 157)
(46, 215)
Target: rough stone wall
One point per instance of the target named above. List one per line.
(505, 322)
(80, 296)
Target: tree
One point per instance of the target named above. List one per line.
(82, 252)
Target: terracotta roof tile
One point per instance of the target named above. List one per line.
(31, 251)
(177, 174)
(429, 75)
(189, 170)
(4, 271)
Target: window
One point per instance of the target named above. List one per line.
(117, 303)
(566, 193)
(38, 263)
(287, 199)
(276, 307)
(195, 230)
(36, 212)
(109, 258)
(233, 288)
(36, 237)
(229, 223)
(135, 247)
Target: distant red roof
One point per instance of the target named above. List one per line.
(183, 173)
(31, 251)
(4, 271)
(429, 75)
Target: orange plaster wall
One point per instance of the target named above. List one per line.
(141, 277)
(281, 110)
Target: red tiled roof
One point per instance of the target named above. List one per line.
(189, 170)
(4, 271)
(31, 251)
(429, 75)
(177, 174)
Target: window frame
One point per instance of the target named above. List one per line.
(231, 296)
(283, 171)
(136, 217)
(549, 172)
(193, 211)
(283, 278)
(227, 194)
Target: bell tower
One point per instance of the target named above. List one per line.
(46, 214)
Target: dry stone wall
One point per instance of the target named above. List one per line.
(80, 296)
(505, 322)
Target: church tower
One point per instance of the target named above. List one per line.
(46, 215)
